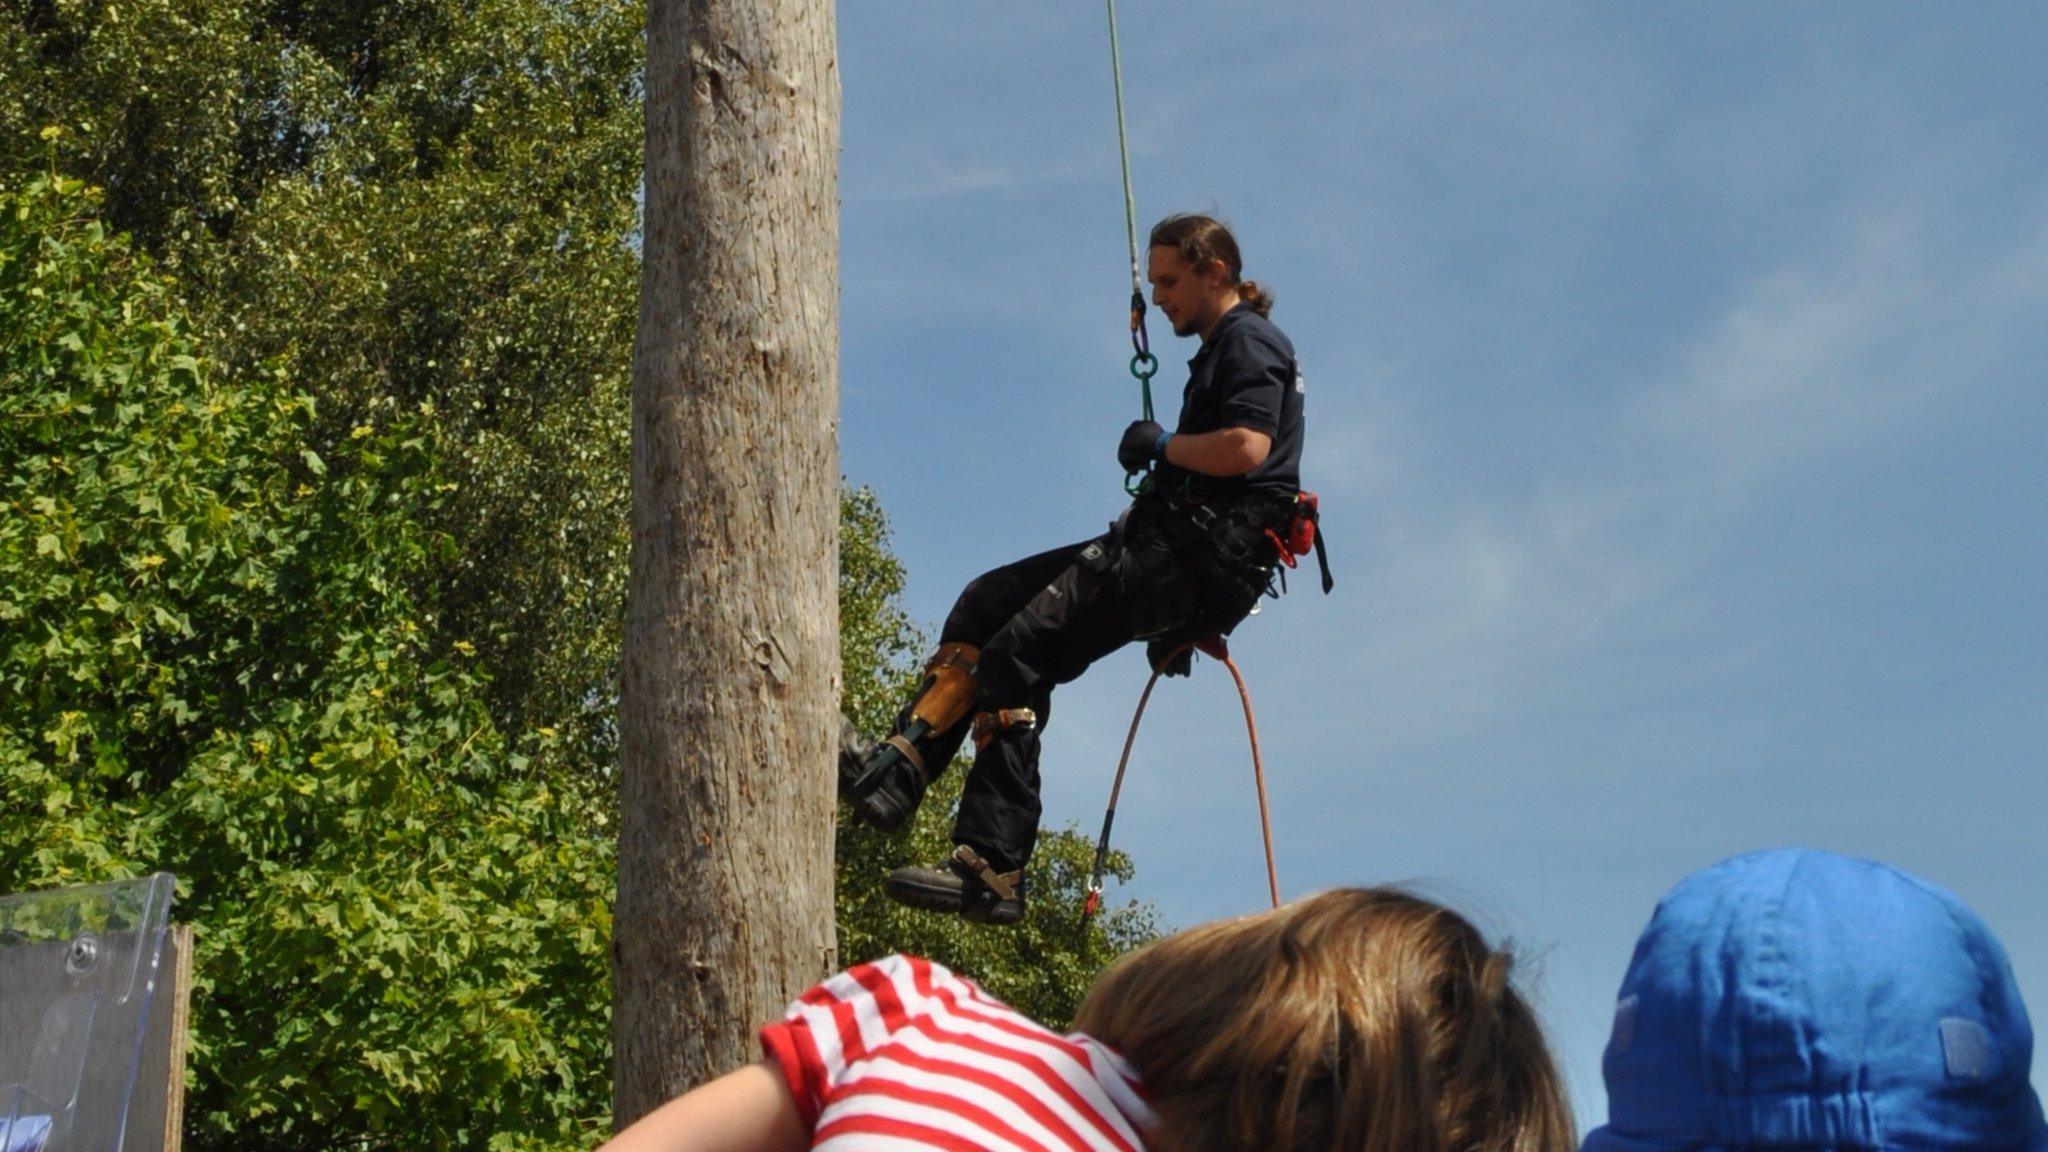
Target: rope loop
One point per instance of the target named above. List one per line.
(1093, 901)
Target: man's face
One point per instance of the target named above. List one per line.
(1190, 297)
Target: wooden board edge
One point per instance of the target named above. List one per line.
(180, 988)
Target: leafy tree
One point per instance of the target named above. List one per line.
(215, 664)
(415, 201)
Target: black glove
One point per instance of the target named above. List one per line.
(1140, 444)
(1179, 665)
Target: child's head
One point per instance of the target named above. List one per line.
(1797, 999)
(1365, 1019)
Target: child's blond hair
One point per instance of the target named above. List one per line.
(1366, 1020)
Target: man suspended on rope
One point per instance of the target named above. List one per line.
(1189, 559)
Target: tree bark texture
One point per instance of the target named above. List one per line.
(730, 682)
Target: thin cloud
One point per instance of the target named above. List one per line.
(1900, 319)
(1485, 611)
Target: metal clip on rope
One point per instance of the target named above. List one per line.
(1143, 365)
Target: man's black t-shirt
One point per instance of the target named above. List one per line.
(1244, 376)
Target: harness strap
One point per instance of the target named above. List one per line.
(954, 655)
(910, 753)
(1281, 550)
(1003, 884)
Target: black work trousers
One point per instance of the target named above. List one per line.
(1040, 622)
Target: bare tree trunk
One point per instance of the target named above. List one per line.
(729, 693)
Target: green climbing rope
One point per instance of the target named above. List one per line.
(1143, 364)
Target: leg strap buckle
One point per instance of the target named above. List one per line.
(987, 724)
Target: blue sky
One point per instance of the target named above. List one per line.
(1676, 396)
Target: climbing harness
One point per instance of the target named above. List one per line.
(1242, 530)
(1216, 647)
(1143, 364)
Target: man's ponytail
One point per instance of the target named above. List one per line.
(1255, 297)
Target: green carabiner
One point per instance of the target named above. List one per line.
(1144, 366)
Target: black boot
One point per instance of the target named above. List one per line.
(894, 791)
(963, 883)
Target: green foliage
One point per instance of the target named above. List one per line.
(153, 98)
(221, 659)
(493, 276)
(312, 568)
(215, 664)
(1043, 966)
(414, 201)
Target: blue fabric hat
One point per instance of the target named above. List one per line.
(1803, 1000)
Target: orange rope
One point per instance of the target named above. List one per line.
(1094, 899)
(1251, 726)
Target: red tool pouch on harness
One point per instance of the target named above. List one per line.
(1301, 531)
(1304, 532)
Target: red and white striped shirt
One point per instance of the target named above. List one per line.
(903, 1056)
